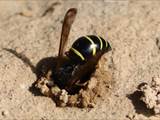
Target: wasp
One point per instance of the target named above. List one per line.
(74, 67)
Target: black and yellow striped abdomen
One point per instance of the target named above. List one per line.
(88, 46)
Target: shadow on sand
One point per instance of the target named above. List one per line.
(139, 105)
(39, 70)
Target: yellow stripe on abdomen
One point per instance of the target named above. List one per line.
(93, 44)
(78, 53)
(101, 44)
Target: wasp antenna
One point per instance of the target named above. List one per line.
(68, 21)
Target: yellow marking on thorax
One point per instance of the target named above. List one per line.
(101, 44)
(92, 43)
(78, 53)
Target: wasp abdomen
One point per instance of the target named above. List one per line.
(88, 46)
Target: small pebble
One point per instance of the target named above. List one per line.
(5, 113)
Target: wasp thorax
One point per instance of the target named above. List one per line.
(86, 47)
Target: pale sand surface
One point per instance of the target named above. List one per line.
(132, 28)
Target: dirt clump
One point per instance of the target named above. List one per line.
(151, 94)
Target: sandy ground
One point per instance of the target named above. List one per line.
(26, 28)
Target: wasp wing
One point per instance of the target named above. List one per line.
(68, 21)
